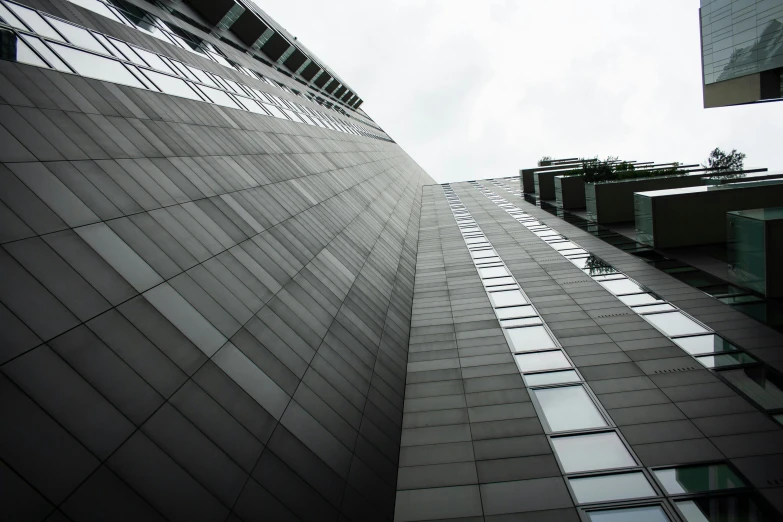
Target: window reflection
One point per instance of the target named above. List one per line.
(758, 383)
(622, 486)
(635, 514)
(698, 479)
(593, 451)
(94, 66)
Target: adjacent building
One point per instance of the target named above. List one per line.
(226, 294)
(742, 51)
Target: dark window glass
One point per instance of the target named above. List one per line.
(721, 509)
(697, 479)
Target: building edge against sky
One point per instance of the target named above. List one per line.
(742, 51)
(227, 295)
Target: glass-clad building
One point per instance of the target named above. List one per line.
(742, 51)
(228, 295)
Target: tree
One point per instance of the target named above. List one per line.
(719, 161)
(545, 161)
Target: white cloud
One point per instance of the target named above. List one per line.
(482, 89)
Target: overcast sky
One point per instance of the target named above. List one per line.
(481, 89)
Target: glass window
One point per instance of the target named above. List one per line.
(593, 451)
(274, 111)
(569, 408)
(704, 344)
(10, 18)
(622, 486)
(97, 7)
(495, 271)
(524, 321)
(78, 36)
(725, 359)
(507, 298)
(35, 21)
(24, 54)
(653, 308)
(512, 312)
(565, 245)
(128, 51)
(622, 286)
(220, 97)
(698, 479)
(47, 53)
(721, 509)
(635, 514)
(757, 383)
(94, 66)
(675, 323)
(171, 85)
(533, 362)
(639, 299)
(540, 379)
(499, 281)
(529, 338)
(153, 60)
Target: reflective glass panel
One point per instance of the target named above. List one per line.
(220, 97)
(499, 281)
(533, 362)
(11, 18)
(569, 408)
(128, 52)
(171, 85)
(566, 245)
(697, 479)
(78, 36)
(276, 112)
(540, 379)
(508, 298)
(622, 286)
(622, 486)
(703, 344)
(47, 54)
(94, 66)
(153, 60)
(97, 7)
(529, 339)
(639, 299)
(496, 271)
(592, 451)
(635, 514)
(674, 323)
(525, 321)
(35, 21)
(757, 384)
(515, 311)
(653, 308)
(26, 55)
(725, 359)
(721, 509)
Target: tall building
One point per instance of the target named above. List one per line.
(226, 294)
(742, 51)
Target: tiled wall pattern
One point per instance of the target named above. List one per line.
(205, 311)
(672, 413)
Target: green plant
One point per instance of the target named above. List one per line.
(722, 162)
(545, 161)
(611, 169)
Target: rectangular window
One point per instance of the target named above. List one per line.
(507, 298)
(499, 281)
(568, 408)
(46, 53)
(35, 21)
(170, 85)
(705, 344)
(94, 66)
(513, 312)
(698, 479)
(524, 321)
(561, 377)
(497, 271)
(639, 299)
(219, 97)
(540, 361)
(635, 514)
(726, 359)
(723, 508)
(622, 286)
(675, 323)
(653, 308)
(592, 452)
(78, 36)
(605, 488)
(757, 383)
(529, 339)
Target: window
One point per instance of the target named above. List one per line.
(698, 479)
(621, 486)
(220, 97)
(94, 66)
(26, 55)
(35, 21)
(539, 379)
(171, 85)
(524, 321)
(515, 311)
(639, 299)
(653, 308)
(719, 509)
(593, 451)
(78, 36)
(499, 281)
(635, 514)
(568, 408)
(705, 344)
(507, 298)
(674, 323)
(532, 362)
(725, 359)
(757, 383)
(529, 339)
(46, 53)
